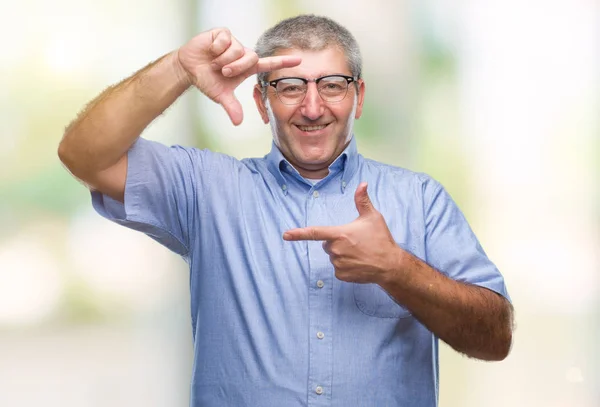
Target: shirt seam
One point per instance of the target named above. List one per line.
(140, 219)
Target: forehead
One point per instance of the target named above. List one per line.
(314, 64)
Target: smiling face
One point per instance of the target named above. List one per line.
(313, 133)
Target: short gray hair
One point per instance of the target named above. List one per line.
(309, 32)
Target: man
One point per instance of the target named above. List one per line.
(305, 288)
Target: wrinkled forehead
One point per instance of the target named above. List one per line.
(315, 63)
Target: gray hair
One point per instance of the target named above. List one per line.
(309, 32)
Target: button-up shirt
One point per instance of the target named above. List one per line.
(272, 325)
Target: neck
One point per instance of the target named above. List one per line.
(312, 173)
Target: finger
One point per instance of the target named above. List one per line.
(243, 65)
(233, 53)
(362, 200)
(312, 233)
(221, 41)
(232, 106)
(273, 63)
(327, 246)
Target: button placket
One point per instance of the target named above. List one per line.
(320, 305)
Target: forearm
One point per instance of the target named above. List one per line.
(471, 319)
(112, 122)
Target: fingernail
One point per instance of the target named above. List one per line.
(226, 71)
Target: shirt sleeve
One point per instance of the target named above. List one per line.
(161, 193)
(452, 247)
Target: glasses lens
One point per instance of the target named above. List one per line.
(291, 91)
(333, 88)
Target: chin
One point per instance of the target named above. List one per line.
(315, 159)
(317, 153)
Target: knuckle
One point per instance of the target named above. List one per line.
(226, 41)
(221, 43)
(231, 56)
(215, 48)
(238, 51)
(218, 62)
(253, 56)
(221, 31)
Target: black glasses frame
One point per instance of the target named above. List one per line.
(273, 83)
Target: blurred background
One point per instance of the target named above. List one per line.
(499, 100)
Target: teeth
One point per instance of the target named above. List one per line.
(311, 128)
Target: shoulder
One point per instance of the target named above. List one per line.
(401, 177)
(254, 164)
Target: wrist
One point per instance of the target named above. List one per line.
(183, 77)
(394, 268)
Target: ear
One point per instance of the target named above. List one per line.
(361, 98)
(260, 103)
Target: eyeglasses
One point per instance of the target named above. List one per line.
(291, 91)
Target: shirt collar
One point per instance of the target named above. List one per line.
(346, 163)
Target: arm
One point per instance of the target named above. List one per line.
(94, 147)
(471, 319)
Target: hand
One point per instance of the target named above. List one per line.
(217, 63)
(362, 251)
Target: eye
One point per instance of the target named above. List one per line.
(289, 88)
(333, 86)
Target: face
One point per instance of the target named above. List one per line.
(313, 133)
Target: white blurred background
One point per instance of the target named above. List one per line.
(499, 100)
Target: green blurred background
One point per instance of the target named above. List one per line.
(499, 100)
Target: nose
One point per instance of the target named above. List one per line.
(312, 106)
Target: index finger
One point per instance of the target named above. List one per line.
(268, 64)
(312, 233)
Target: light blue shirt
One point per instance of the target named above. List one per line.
(272, 325)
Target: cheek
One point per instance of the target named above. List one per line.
(345, 112)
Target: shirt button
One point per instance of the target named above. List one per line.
(320, 283)
(316, 194)
(319, 390)
(284, 187)
(320, 335)
(343, 184)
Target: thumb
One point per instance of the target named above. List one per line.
(233, 108)
(362, 200)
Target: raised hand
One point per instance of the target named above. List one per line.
(362, 251)
(216, 63)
